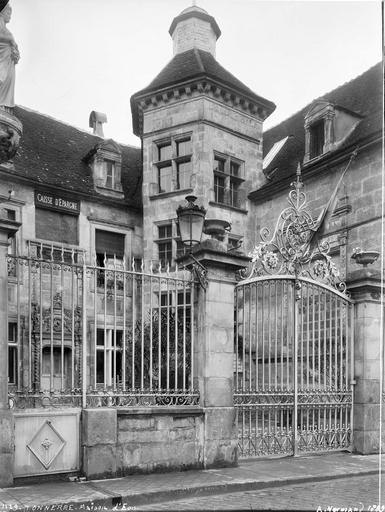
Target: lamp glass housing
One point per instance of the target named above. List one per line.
(191, 219)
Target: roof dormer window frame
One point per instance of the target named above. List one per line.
(318, 144)
(105, 161)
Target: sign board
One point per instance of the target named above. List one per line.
(56, 202)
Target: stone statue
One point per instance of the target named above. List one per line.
(9, 56)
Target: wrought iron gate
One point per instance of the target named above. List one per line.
(293, 343)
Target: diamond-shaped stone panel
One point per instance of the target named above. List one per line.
(46, 444)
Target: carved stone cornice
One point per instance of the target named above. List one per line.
(199, 87)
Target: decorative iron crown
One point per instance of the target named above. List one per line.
(295, 247)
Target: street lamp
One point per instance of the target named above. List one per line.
(190, 220)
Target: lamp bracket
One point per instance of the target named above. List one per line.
(199, 271)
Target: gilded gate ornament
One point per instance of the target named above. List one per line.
(294, 247)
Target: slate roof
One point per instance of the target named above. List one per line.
(362, 95)
(190, 65)
(51, 154)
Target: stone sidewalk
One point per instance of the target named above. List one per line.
(135, 490)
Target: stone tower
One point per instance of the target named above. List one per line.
(201, 130)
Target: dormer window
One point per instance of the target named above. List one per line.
(326, 127)
(317, 138)
(105, 160)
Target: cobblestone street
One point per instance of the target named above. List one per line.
(353, 494)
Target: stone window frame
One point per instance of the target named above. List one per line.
(320, 112)
(231, 182)
(173, 160)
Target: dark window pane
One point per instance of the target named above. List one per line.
(184, 298)
(317, 139)
(12, 332)
(234, 169)
(100, 367)
(164, 152)
(219, 189)
(165, 231)
(183, 175)
(109, 243)
(100, 337)
(180, 248)
(118, 367)
(11, 214)
(110, 173)
(165, 178)
(219, 164)
(12, 365)
(165, 252)
(119, 338)
(183, 147)
(165, 299)
(233, 193)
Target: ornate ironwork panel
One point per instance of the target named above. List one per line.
(293, 341)
(292, 374)
(107, 334)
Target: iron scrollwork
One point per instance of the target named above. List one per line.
(294, 247)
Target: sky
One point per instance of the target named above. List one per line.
(84, 55)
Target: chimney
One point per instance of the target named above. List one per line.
(194, 28)
(96, 122)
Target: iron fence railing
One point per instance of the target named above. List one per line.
(110, 335)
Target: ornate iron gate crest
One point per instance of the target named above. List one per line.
(293, 341)
(294, 247)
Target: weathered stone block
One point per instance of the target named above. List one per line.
(219, 364)
(7, 443)
(218, 392)
(366, 442)
(220, 423)
(221, 339)
(182, 434)
(367, 391)
(135, 423)
(99, 461)
(6, 469)
(99, 426)
(143, 436)
(184, 422)
(366, 417)
(221, 454)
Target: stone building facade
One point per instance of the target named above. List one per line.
(89, 203)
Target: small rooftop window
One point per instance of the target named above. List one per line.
(273, 152)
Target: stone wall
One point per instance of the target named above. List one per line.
(120, 442)
(156, 439)
(213, 127)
